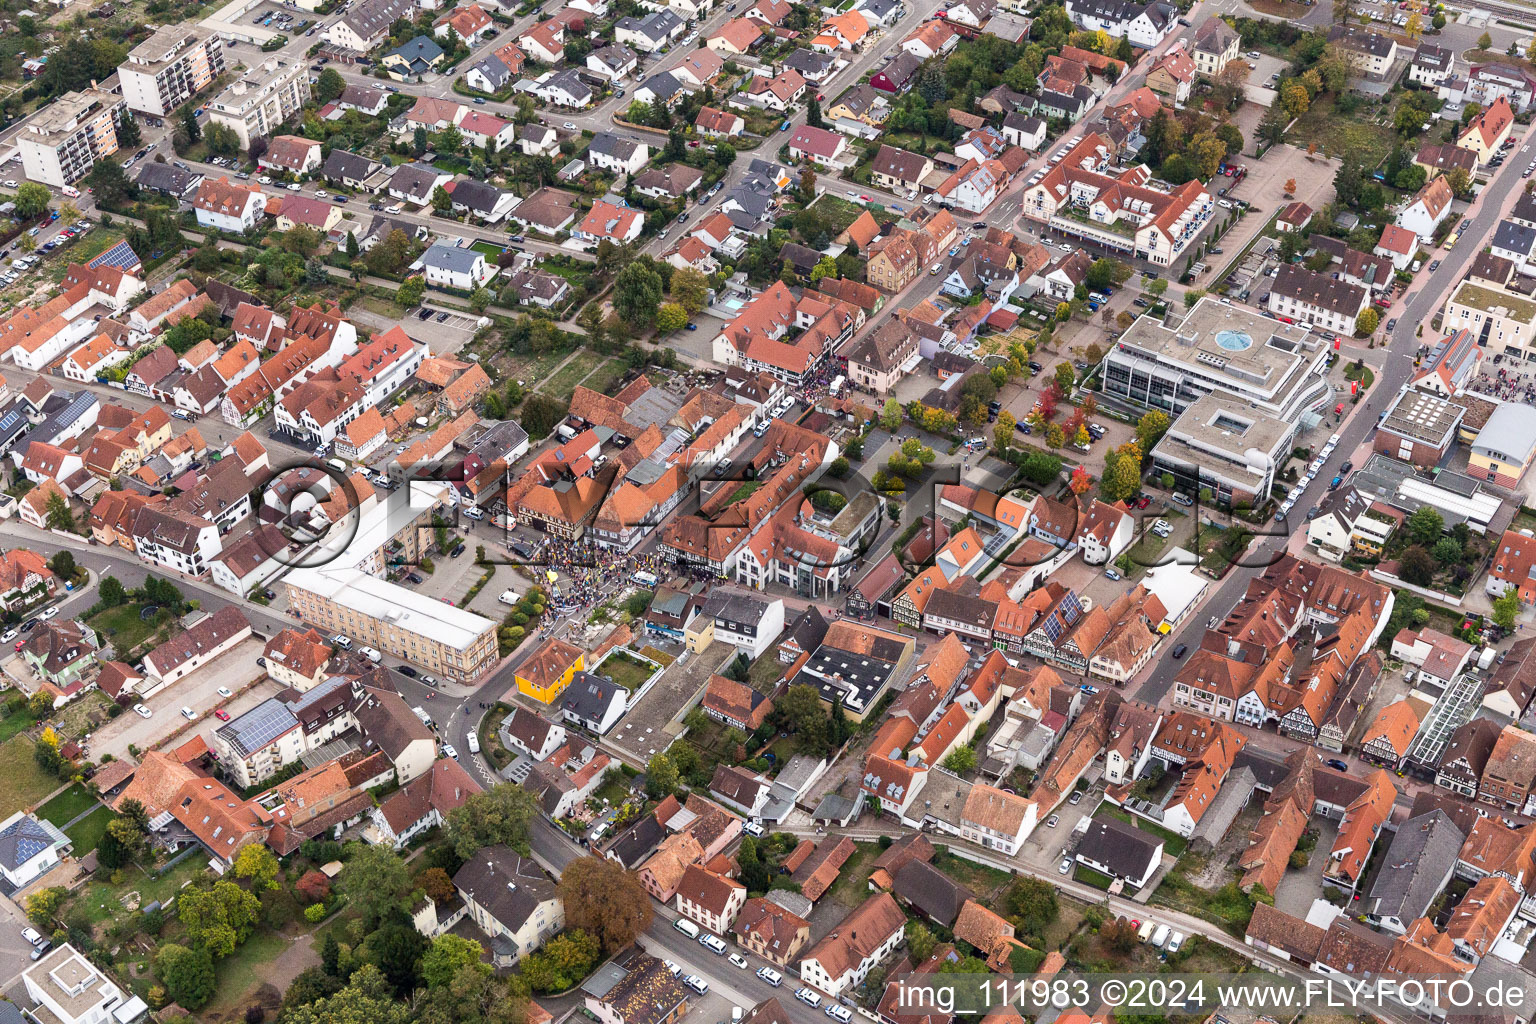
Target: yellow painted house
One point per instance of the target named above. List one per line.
(549, 670)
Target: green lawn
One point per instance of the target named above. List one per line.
(982, 880)
(13, 724)
(563, 383)
(241, 973)
(103, 901)
(122, 626)
(625, 670)
(73, 801)
(86, 833)
(25, 782)
(1338, 134)
(852, 885)
(605, 379)
(1088, 876)
(491, 252)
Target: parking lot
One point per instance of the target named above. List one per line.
(287, 20)
(235, 670)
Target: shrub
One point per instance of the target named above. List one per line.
(314, 913)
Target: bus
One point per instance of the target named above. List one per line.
(645, 579)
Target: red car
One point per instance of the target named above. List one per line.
(20, 644)
(221, 714)
(1144, 502)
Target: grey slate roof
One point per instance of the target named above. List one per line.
(508, 886)
(478, 196)
(1514, 237)
(1124, 849)
(451, 258)
(495, 70)
(1415, 865)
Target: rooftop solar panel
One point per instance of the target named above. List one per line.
(120, 255)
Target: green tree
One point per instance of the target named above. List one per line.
(1447, 551)
(329, 86)
(671, 317)
(920, 941)
(218, 918)
(1032, 903)
(1366, 322)
(637, 292)
(376, 881)
(447, 956)
(58, 514)
(1505, 607)
(961, 760)
(419, 141)
(109, 184)
(813, 113)
(661, 776)
(1122, 477)
(43, 906)
(1150, 429)
(1065, 377)
(442, 202)
(690, 289)
(187, 974)
(189, 123)
(255, 862)
(1484, 41)
(499, 816)
(366, 999)
(128, 134)
(891, 415)
(1425, 525)
(410, 291)
(800, 711)
(32, 199)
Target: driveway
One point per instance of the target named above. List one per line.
(235, 669)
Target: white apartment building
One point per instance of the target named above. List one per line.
(73, 991)
(60, 143)
(169, 68)
(1317, 299)
(262, 98)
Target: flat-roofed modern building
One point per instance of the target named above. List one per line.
(262, 98)
(169, 68)
(1226, 446)
(1501, 320)
(62, 141)
(449, 642)
(1218, 348)
(1419, 427)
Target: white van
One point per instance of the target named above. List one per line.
(771, 976)
(697, 983)
(371, 654)
(713, 944)
(31, 936)
(1175, 942)
(474, 513)
(1160, 937)
(508, 597)
(808, 997)
(1145, 933)
(473, 742)
(426, 719)
(71, 191)
(841, 1014)
(339, 465)
(687, 927)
